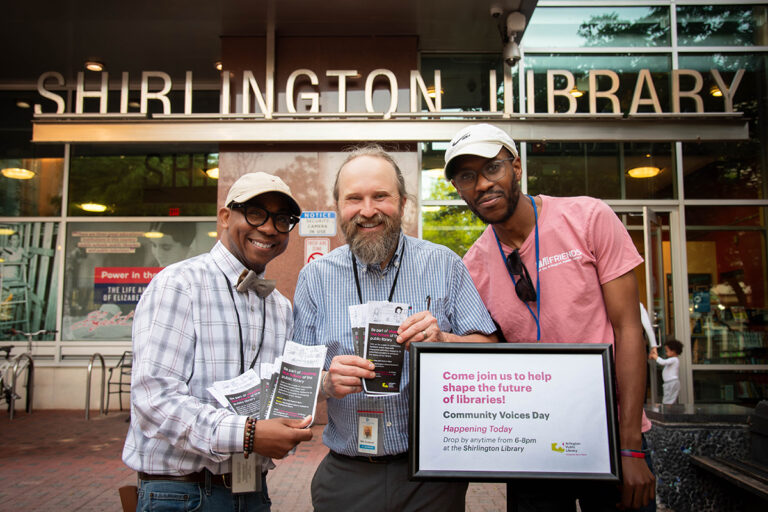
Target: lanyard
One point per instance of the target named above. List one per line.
(536, 315)
(394, 283)
(240, 327)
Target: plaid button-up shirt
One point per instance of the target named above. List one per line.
(185, 337)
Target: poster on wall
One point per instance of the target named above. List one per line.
(109, 265)
(502, 411)
(28, 277)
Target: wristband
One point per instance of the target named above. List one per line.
(637, 454)
(250, 434)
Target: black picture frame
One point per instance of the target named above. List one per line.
(420, 354)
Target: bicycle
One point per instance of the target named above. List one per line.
(11, 368)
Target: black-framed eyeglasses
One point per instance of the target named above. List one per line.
(524, 287)
(492, 171)
(257, 216)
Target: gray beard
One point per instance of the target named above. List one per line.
(373, 248)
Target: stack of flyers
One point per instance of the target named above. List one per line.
(380, 321)
(285, 388)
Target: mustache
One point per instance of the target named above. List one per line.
(490, 193)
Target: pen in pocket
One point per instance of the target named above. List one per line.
(429, 301)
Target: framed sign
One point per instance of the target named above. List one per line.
(499, 411)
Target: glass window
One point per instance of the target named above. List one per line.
(466, 80)
(728, 169)
(129, 182)
(109, 265)
(721, 25)
(598, 27)
(31, 175)
(29, 262)
(626, 66)
(434, 186)
(604, 170)
(727, 288)
(455, 227)
(730, 387)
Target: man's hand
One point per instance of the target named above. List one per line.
(639, 485)
(276, 437)
(421, 326)
(345, 376)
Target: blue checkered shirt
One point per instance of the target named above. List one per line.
(326, 288)
(185, 337)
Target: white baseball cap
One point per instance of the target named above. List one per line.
(483, 140)
(255, 184)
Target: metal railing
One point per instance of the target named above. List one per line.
(30, 367)
(88, 386)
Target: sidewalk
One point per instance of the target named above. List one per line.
(56, 460)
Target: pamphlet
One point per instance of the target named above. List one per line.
(381, 347)
(298, 381)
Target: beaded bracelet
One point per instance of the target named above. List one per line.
(637, 454)
(250, 434)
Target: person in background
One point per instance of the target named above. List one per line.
(670, 373)
(557, 270)
(194, 325)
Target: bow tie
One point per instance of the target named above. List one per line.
(249, 280)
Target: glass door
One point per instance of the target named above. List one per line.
(656, 287)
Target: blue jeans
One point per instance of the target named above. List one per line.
(169, 496)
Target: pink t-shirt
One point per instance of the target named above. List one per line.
(582, 245)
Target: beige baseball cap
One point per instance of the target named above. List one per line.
(483, 140)
(255, 184)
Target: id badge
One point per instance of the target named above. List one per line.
(246, 473)
(370, 433)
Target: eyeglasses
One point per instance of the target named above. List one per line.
(492, 171)
(524, 287)
(256, 216)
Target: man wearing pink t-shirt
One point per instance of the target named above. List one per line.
(557, 270)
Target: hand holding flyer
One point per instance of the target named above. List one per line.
(381, 347)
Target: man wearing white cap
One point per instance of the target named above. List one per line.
(557, 270)
(210, 318)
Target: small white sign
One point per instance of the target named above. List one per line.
(317, 224)
(315, 248)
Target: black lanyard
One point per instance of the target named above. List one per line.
(240, 327)
(394, 283)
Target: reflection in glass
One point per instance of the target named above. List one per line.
(28, 279)
(142, 184)
(727, 295)
(465, 80)
(721, 25)
(109, 265)
(600, 169)
(731, 387)
(455, 227)
(598, 26)
(40, 195)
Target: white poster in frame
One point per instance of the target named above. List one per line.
(503, 411)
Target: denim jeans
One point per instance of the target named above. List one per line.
(169, 496)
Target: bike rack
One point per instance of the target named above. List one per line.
(88, 386)
(30, 379)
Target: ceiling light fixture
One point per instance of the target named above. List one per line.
(213, 234)
(431, 91)
(94, 65)
(212, 173)
(153, 234)
(218, 65)
(22, 104)
(576, 93)
(18, 173)
(643, 172)
(715, 91)
(93, 207)
(7, 231)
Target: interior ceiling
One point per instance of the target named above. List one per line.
(179, 35)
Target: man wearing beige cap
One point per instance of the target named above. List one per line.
(557, 269)
(206, 319)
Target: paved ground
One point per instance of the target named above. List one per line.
(56, 460)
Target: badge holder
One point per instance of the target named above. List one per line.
(370, 435)
(246, 473)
